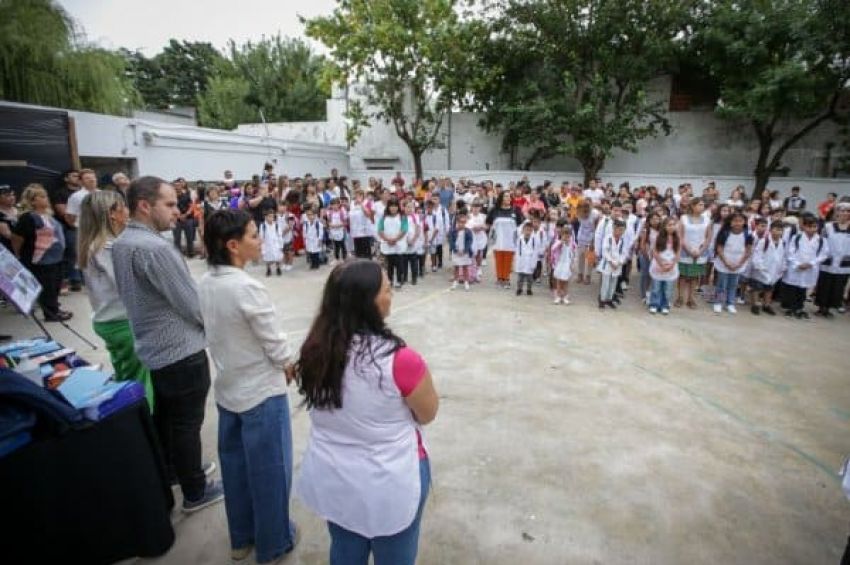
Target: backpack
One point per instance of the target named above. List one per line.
(797, 243)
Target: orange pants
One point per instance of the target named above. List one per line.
(504, 262)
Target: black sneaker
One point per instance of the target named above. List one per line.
(528, 292)
(76, 287)
(801, 315)
(601, 305)
(518, 291)
(789, 313)
(611, 305)
(768, 309)
(279, 272)
(755, 310)
(209, 468)
(213, 493)
(268, 271)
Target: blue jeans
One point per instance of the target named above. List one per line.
(727, 287)
(645, 280)
(349, 548)
(662, 292)
(255, 450)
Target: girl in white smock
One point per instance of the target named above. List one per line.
(272, 242)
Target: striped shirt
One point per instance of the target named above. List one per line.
(160, 295)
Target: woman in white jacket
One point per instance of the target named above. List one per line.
(252, 361)
(835, 271)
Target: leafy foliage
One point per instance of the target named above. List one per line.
(43, 60)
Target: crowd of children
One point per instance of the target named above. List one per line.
(730, 252)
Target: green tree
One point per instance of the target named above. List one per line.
(782, 67)
(45, 60)
(570, 76)
(148, 78)
(282, 78)
(409, 56)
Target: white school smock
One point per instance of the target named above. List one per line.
(733, 250)
(314, 235)
(612, 251)
(604, 228)
(358, 222)
(379, 208)
(527, 255)
(837, 242)
(361, 467)
(479, 239)
(286, 225)
(694, 237)
(632, 233)
(804, 250)
(668, 255)
(338, 217)
(392, 228)
(415, 241)
(271, 242)
(563, 266)
(768, 260)
(503, 225)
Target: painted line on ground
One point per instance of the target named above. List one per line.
(751, 427)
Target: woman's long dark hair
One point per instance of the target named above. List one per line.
(348, 309)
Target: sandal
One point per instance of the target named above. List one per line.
(678, 303)
(692, 305)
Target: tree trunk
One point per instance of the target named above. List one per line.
(417, 163)
(763, 170)
(591, 165)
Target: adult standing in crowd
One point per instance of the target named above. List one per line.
(260, 203)
(502, 222)
(121, 183)
(162, 304)
(186, 224)
(251, 355)
(39, 242)
(103, 217)
(795, 204)
(71, 183)
(835, 271)
(366, 470)
(70, 212)
(8, 215)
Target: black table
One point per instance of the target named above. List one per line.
(93, 495)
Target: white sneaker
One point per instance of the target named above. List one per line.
(565, 301)
(653, 310)
(484, 262)
(454, 285)
(397, 284)
(465, 285)
(731, 309)
(741, 300)
(557, 300)
(665, 311)
(625, 286)
(718, 308)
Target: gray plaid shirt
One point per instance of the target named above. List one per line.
(160, 295)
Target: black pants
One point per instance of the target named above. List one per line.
(340, 249)
(180, 394)
(50, 277)
(70, 271)
(411, 265)
(439, 256)
(793, 297)
(829, 292)
(314, 260)
(395, 266)
(186, 227)
(524, 278)
(363, 247)
(420, 259)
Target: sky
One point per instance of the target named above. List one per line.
(147, 25)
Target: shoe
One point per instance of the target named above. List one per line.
(397, 285)
(268, 272)
(64, 290)
(767, 309)
(213, 494)
(611, 305)
(413, 283)
(565, 301)
(241, 553)
(665, 311)
(454, 285)
(755, 310)
(484, 262)
(789, 313)
(616, 300)
(842, 310)
(625, 286)
(801, 315)
(538, 282)
(209, 468)
(718, 308)
(76, 287)
(653, 310)
(741, 300)
(601, 305)
(557, 300)
(433, 269)
(518, 291)
(288, 268)
(824, 314)
(465, 286)
(59, 317)
(731, 309)
(279, 272)
(528, 292)
(692, 305)
(678, 303)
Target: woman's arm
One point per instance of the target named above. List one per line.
(423, 401)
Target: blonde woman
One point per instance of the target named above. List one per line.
(103, 216)
(39, 243)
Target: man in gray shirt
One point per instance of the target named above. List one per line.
(162, 304)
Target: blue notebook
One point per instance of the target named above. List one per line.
(83, 386)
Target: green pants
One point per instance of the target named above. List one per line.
(120, 344)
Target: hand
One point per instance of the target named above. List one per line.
(289, 371)
(805, 266)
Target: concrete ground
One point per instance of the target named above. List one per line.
(570, 435)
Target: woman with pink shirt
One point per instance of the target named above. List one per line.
(534, 202)
(365, 471)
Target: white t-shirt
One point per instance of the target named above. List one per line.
(75, 203)
(733, 250)
(596, 195)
